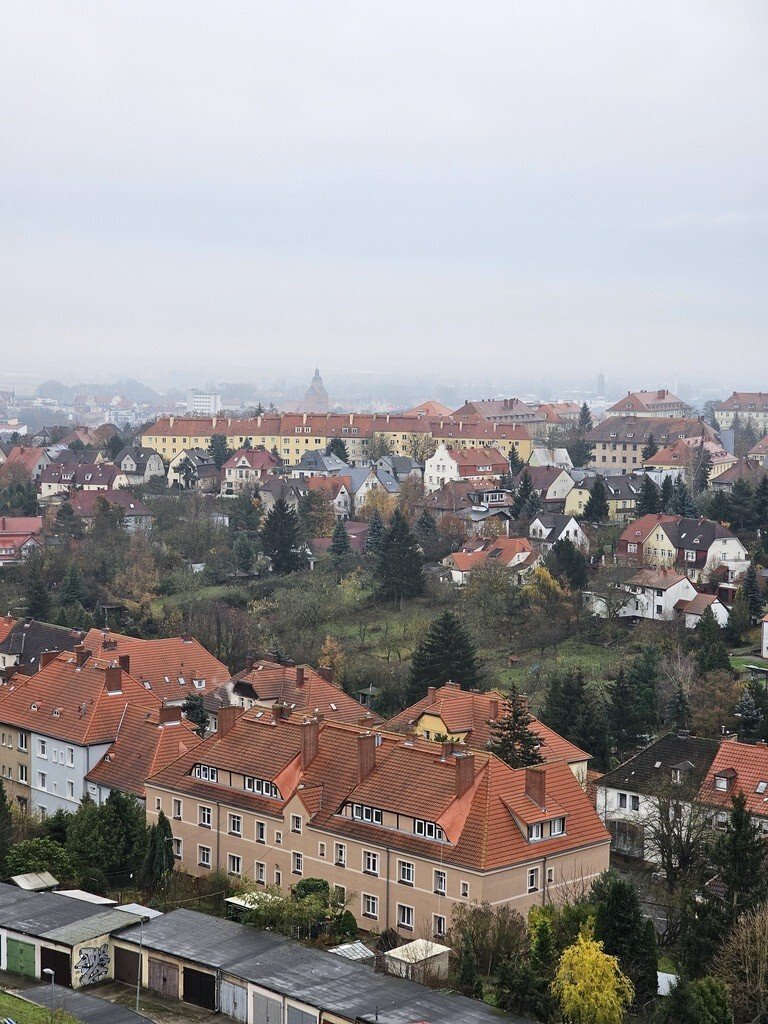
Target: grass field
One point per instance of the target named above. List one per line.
(26, 1013)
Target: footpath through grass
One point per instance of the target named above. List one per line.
(27, 1013)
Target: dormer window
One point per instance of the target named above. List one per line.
(427, 829)
(535, 832)
(721, 783)
(206, 773)
(361, 812)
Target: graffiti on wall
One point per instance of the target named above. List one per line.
(93, 964)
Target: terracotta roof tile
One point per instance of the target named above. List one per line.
(750, 764)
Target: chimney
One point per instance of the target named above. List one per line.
(81, 654)
(366, 755)
(47, 657)
(325, 672)
(431, 691)
(299, 675)
(170, 713)
(465, 772)
(447, 749)
(494, 708)
(124, 661)
(278, 712)
(536, 786)
(113, 677)
(310, 741)
(227, 717)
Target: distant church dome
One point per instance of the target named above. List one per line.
(316, 398)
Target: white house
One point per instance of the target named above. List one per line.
(462, 464)
(650, 594)
(764, 638)
(550, 527)
(139, 464)
(695, 608)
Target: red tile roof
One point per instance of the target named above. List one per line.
(471, 712)
(638, 531)
(502, 551)
(488, 461)
(745, 402)
(143, 747)
(6, 625)
(750, 764)
(484, 827)
(71, 702)
(256, 459)
(647, 401)
(169, 666)
(21, 525)
(301, 688)
(658, 579)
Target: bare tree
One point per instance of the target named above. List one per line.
(742, 964)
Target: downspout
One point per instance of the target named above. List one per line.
(544, 891)
(387, 909)
(218, 834)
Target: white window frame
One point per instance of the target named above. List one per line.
(533, 880)
(370, 906)
(406, 916)
(234, 864)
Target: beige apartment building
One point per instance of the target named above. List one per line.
(404, 827)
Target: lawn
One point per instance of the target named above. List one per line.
(27, 1013)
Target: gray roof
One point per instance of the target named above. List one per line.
(48, 915)
(29, 639)
(359, 474)
(322, 461)
(327, 982)
(640, 775)
(91, 927)
(85, 1008)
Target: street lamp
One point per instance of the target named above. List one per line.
(48, 971)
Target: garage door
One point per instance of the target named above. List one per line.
(233, 1000)
(21, 958)
(126, 965)
(199, 988)
(59, 962)
(163, 978)
(266, 1009)
(296, 1016)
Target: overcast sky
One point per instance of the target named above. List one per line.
(250, 187)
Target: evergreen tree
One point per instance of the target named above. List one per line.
(468, 980)
(580, 451)
(524, 493)
(679, 710)
(739, 620)
(376, 531)
(750, 717)
(193, 709)
(626, 726)
(741, 855)
(72, 589)
(741, 505)
(568, 564)
(447, 654)
(760, 505)
(243, 552)
(649, 501)
(720, 507)
(649, 449)
(6, 829)
(572, 709)
(596, 509)
(337, 447)
(38, 594)
(67, 523)
(619, 925)
(279, 537)
(585, 419)
(427, 533)
(158, 859)
(667, 493)
(702, 468)
(84, 837)
(340, 547)
(752, 593)
(244, 511)
(711, 653)
(399, 572)
(515, 462)
(681, 503)
(122, 835)
(512, 738)
(643, 678)
(218, 449)
(702, 1001)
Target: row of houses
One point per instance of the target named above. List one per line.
(297, 779)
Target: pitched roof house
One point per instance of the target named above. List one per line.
(170, 668)
(513, 553)
(23, 642)
(27, 462)
(365, 810)
(245, 468)
(136, 515)
(463, 464)
(466, 717)
(651, 404)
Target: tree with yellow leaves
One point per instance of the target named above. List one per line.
(589, 985)
(332, 657)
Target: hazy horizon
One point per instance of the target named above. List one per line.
(240, 189)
